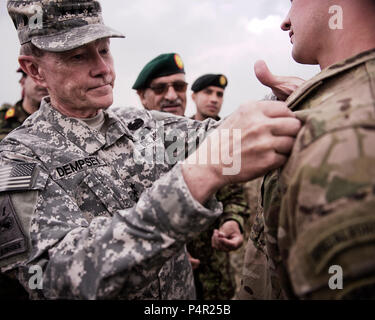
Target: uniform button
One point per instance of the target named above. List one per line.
(136, 124)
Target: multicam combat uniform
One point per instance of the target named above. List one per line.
(11, 117)
(100, 224)
(319, 210)
(214, 278)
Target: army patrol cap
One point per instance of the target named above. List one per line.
(59, 25)
(216, 80)
(163, 65)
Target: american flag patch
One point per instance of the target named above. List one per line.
(17, 177)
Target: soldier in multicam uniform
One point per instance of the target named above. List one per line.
(81, 198)
(214, 275)
(318, 211)
(12, 116)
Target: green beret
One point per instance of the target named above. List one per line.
(163, 65)
(216, 80)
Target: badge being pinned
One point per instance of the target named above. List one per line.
(179, 62)
(10, 113)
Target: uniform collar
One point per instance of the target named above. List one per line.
(216, 118)
(309, 86)
(80, 133)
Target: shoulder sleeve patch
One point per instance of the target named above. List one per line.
(12, 238)
(19, 177)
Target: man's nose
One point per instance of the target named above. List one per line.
(100, 66)
(214, 98)
(286, 24)
(171, 94)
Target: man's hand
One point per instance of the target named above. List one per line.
(194, 262)
(282, 87)
(228, 237)
(268, 130)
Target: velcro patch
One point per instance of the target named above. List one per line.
(12, 237)
(17, 177)
(331, 240)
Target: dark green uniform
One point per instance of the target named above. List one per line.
(214, 278)
(11, 117)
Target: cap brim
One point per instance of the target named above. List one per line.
(75, 38)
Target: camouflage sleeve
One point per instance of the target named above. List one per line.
(182, 135)
(99, 259)
(327, 219)
(234, 202)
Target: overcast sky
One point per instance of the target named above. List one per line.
(212, 36)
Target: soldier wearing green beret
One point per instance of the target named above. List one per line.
(210, 257)
(12, 116)
(161, 84)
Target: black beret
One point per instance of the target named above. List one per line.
(163, 65)
(216, 80)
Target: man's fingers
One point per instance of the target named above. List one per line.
(285, 126)
(276, 109)
(227, 245)
(278, 161)
(283, 145)
(263, 74)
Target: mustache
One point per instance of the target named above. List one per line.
(167, 103)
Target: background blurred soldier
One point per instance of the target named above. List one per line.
(316, 237)
(208, 96)
(12, 117)
(214, 275)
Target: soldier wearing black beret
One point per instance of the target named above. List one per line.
(208, 95)
(13, 115)
(161, 84)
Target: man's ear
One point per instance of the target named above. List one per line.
(193, 96)
(30, 65)
(141, 94)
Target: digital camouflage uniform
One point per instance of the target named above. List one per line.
(99, 223)
(319, 209)
(214, 278)
(11, 117)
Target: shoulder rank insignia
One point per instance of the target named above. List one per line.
(10, 113)
(17, 177)
(12, 237)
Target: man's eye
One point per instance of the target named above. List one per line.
(77, 57)
(104, 51)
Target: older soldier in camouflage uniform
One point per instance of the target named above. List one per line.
(319, 209)
(214, 275)
(84, 195)
(11, 116)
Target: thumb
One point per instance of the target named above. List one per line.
(264, 74)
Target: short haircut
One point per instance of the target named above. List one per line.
(28, 49)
